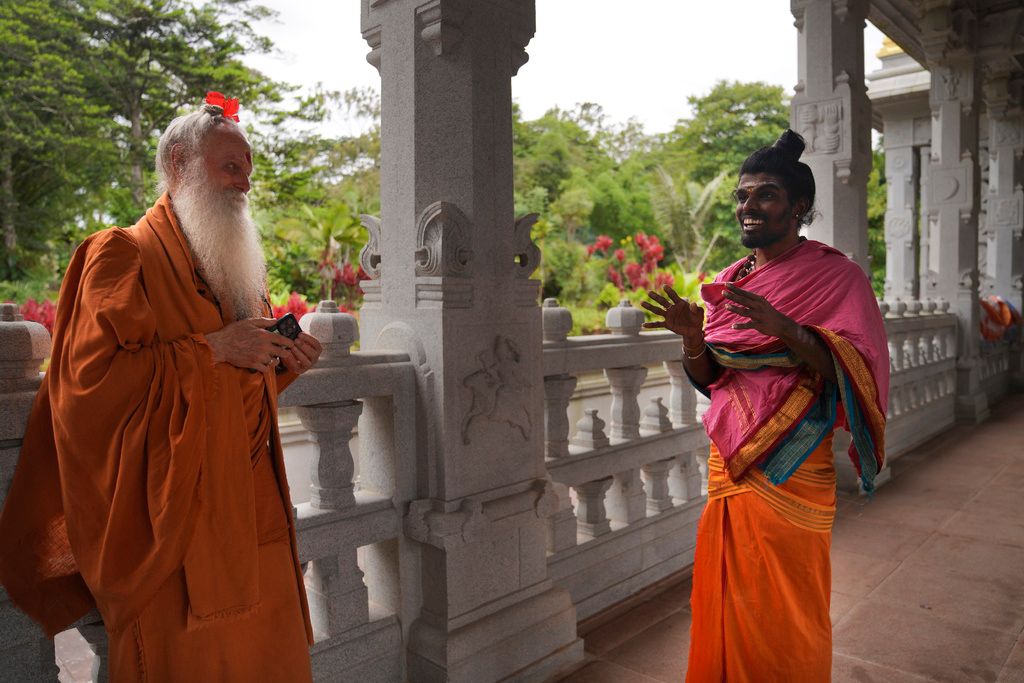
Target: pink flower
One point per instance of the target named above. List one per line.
(295, 305)
(620, 255)
(43, 313)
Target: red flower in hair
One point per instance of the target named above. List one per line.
(230, 106)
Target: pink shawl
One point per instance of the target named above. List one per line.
(767, 404)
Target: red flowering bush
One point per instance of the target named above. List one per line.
(294, 304)
(42, 312)
(633, 266)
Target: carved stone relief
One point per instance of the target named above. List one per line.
(369, 255)
(443, 241)
(527, 253)
(1006, 211)
(821, 126)
(498, 390)
(948, 186)
(897, 227)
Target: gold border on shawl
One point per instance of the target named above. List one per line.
(778, 425)
(863, 385)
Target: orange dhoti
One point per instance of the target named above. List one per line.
(762, 576)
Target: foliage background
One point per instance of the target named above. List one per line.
(86, 87)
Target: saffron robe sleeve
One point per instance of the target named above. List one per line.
(135, 422)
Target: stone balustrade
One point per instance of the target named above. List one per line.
(628, 483)
(922, 358)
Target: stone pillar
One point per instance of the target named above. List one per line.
(831, 110)
(1002, 232)
(451, 266)
(901, 179)
(954, 185)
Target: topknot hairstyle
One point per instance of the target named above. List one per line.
(782, 159)
(188, 131)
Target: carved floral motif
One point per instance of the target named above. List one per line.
(526, 252)
(369, 255)
(442, 241)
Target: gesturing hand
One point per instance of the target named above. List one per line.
(247, 344)
(303, 355)
(683, 317)
(763, 316)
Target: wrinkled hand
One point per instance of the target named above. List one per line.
(302, 355)
(683, 317)
(247, 344)
(763, 316)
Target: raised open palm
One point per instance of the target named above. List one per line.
(683, 317)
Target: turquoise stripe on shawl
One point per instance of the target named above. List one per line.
(804, 438)
(862, 439)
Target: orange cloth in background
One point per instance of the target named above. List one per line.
(136, 471)
(762, 579)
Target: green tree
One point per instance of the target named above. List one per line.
(683, 207)
(148, 59)
(50, 132)
(877, 199)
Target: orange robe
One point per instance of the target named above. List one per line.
(762, 576)
(151, 481)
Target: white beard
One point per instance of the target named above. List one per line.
(224, 240)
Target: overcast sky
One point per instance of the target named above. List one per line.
(639, 58)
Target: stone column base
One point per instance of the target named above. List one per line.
(517, 643)
(972, 408)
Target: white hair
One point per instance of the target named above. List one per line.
(187, 133)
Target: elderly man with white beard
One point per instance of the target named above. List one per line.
(151, 482)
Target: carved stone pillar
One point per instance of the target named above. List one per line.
(901, 212)
(831, 110)
(954, 185)
(452, 270)
(1002, 232)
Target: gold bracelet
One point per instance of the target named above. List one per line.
(686, 352)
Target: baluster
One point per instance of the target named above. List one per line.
(682, 399)
(686, 480)
(659, 497)
(557, 393)
(590, 431)
(592, 519)
(96, 636)
(338, 599)
(625, 388)
(656, 420)
(330, 426)
(626, 501)
(561, 525)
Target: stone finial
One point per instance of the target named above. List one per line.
(941, 305)
(625, 319)
(590, 431)
(335, 330)
(883, 307)
(928, 307)
(556, 321)
(913, 307)
(656, 417)
(897, 308)
(24, 345)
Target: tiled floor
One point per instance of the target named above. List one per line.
(928, 577)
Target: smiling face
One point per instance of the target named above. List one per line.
(765, 212)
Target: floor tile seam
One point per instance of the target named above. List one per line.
(880, 665)
(642, 632)
(955, 623)
(617, 665)
(900, 601)
(989, 541)
(899, 563)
